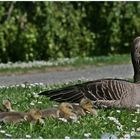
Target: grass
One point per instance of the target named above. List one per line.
(23, 99)
(74, 63)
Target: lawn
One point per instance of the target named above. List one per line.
(63, 64)
(121, 123)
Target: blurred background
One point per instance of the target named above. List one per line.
(45, 30)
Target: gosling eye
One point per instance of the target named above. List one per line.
(87, 104)
(69, 107)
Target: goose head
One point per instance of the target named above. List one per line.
(135, 57)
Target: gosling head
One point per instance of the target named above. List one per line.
(66, 107)
(34, 116)
(86, 104)
(7, 105)
(66, 111)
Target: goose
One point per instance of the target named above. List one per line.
(105, 92)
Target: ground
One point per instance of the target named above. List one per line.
(61, 76)
(22, 90)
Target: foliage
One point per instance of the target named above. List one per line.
(46, 30)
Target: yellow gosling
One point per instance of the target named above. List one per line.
(34, 116)
(66, 111)
(87, 105)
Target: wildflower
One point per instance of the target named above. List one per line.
(119, 127)
(32, 85)
(35, 95)
(67, 137)
(41, 84)
(138, 111)
(23, 85)
(2, 131)
(132, 114)
(114, 119)
(134, 121)
(87, 135)
(55, 105)
(138, 129)
(118, 111)
(8, 135)
(28, 136)
(137, 105)
(40, 137)
(63, 119)
(39, 102)
(32, 103)
(74, 118)
(133, 133)
(127, 136)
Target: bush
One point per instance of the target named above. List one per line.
(50, 30)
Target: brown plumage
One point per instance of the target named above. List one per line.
(84, 107)
(65, 110)
(34, 116)
(50, 113)
(135, 57)
(7, 107)
(105, 92)
(14, 117)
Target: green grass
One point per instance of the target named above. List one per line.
(104, 60)
(76, 63)
(21, 98)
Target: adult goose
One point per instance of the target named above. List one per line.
(105, 92)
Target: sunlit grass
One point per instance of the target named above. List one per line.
(24, 98)
(64, 64)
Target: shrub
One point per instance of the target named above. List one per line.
(51, 30)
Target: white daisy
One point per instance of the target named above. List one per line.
(87, 135)
(66, 137)
(28, 136)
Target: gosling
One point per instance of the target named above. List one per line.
(15, 117)
(85, 107)
(65, 110)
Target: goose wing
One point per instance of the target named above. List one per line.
(104, 89)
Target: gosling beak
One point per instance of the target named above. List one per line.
(41, 121)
